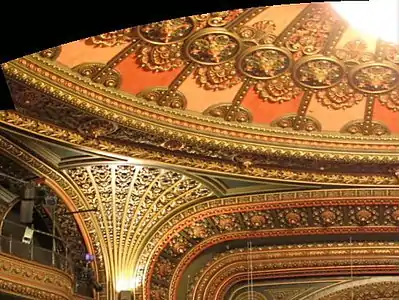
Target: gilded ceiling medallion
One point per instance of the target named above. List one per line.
(318, 72)
(212, 46)
(167, 32)
(264, 62)
(375, 78)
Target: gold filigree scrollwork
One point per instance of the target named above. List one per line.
(380, 291)
(260, 33)
(312, 34)
(288, 122)
(176, 100)
(51, 53)
(278, 90)
(97, 128)
(391, 53)
(358, 127)
(167, 32)
(113, 38)
(160, 58)
(212, 46)
(131, 200)
(241, 115)
(112, 79)
(354, 53)
(218, 77)
(341, 96)
(217, 19)
(390, 100)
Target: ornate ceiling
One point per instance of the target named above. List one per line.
(290, 91)
(278, 125)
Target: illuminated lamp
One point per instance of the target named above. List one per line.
(378, 18)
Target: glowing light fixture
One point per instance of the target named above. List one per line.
(127, 283)
(378, 18)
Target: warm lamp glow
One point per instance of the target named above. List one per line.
(127, 284)
(379, 18)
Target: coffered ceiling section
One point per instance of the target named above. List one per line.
(264, 86)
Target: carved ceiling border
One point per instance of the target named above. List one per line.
(33, 280)
(68, 87)
(186, 218)
(229, 268)
(63, 188)
(14, 121)
(384, 288)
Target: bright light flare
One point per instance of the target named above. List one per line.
(127, 284)
(378, 18)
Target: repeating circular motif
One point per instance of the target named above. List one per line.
(375, 78)
(318, 72)
(264, 62)
(212, 46)
(167, 32)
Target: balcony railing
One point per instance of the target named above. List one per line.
(38, 254)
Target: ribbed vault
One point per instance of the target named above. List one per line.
(132, 201)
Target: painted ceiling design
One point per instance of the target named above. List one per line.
(164, 129)
(265, 91)
(296, 67)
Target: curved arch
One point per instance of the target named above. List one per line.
(283, 205)
(231, 267)
(133, 201)
(364, 289)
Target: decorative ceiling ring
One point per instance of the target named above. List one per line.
(212, 46)
(215, 207)
(57, 183)
(229, 268)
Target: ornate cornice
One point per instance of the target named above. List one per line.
(16, 122)
(189, 233)
(231, 267)
(32, 280)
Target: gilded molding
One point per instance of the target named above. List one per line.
(289, 203)
(62, 84)
(15, 121)
(231, 267)
(32, 280)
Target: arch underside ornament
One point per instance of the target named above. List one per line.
(289, 94)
